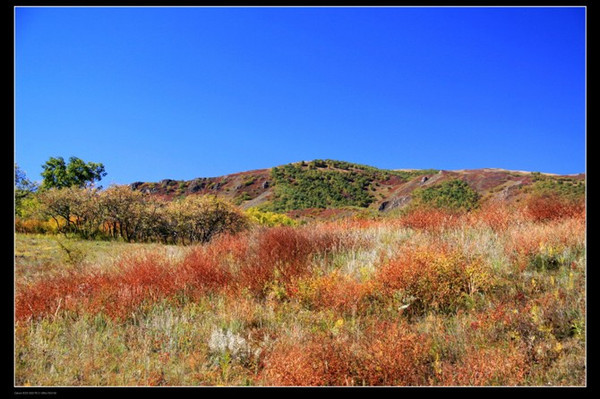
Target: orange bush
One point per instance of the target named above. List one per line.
(430, 219)
(333, 291)
(497, 215)
(435, 276)
(35, 226)
(523, 244)
(394, 356)
(385, 355)
(499, 366)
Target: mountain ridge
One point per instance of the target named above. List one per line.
(303, 186)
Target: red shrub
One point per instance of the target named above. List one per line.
(45, 297)
(282, 253)
(140, 278)
(548, 207)
(430, 219)
(287, 249)
(201, 271)
(496, 215)
(228, 248)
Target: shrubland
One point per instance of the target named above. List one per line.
(437, 295)
(328, 184)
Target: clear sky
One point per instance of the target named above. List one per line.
(179, 93)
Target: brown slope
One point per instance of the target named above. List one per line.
(490, 183)
(239, 187)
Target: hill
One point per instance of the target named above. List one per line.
(329, 187)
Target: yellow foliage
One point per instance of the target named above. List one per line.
(36, 226)
(269, 219)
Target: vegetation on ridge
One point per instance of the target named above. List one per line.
(452, 194)
(328, 184)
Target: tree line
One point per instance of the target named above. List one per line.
(68, 199)
(119, 212)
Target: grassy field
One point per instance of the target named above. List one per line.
(496, 296)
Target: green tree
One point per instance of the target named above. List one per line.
(58, 174)
(24, 189)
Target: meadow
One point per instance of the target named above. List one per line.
(491, 297)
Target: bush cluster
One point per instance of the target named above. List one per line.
(120, 212)
(270, 219)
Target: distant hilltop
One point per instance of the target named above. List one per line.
(330, 186)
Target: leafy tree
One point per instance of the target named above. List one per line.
(73, 210)
(120, 212)
(200, 218)
(24, 189)
(86, 211)
(57, 204)
(123, 211)
(76, 173)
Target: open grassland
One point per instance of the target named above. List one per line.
(495, 296)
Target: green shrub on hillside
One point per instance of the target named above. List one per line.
(241, 198)
(300, 188)
(328, 184)
(452, 194)
(563, 187)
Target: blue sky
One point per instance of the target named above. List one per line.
(180, 93)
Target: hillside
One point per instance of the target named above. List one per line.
(328, 187)
(120, 288)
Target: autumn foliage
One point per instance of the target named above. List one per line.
(433, 278)
(387, 354)
(433, 297)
